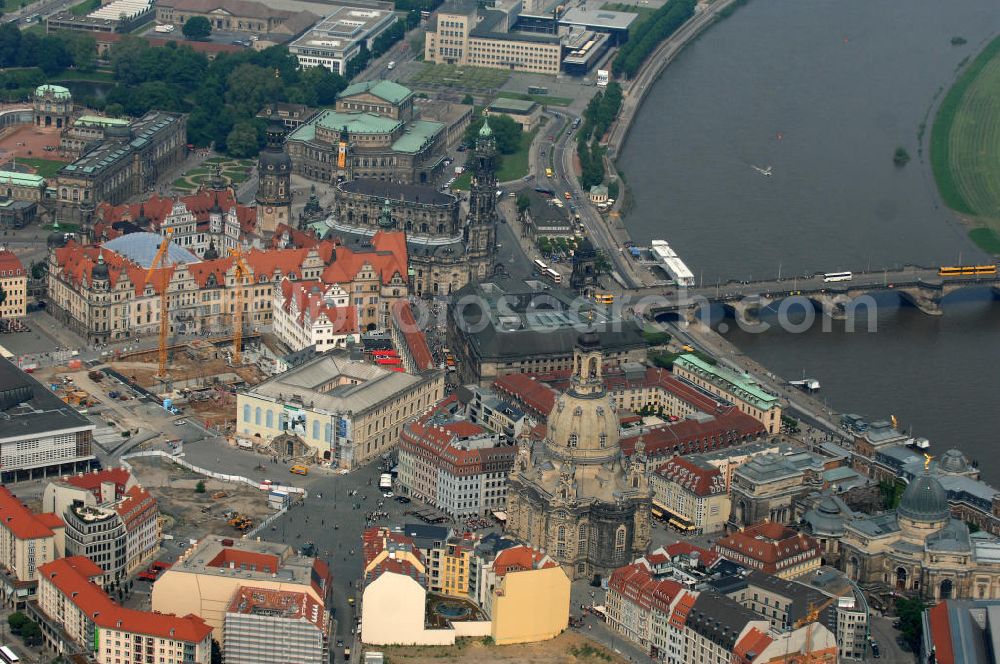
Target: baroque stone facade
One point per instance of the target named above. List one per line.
(574, 495)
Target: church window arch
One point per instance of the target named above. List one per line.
(620, 533)
(269, 419)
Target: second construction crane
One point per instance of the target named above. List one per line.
(164, 284)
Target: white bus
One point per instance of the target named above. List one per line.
(837, 276)
(541, 267)
(7, 655)
(164, 28)
(385, 481)
(553, 275)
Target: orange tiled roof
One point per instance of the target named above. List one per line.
(519, 559)
(769, 544)
(10, 264)
(71, 576)
(22, 522)
(415, 338)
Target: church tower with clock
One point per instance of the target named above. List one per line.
(274, 188)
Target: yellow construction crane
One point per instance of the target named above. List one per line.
(811, 618)
(242, 271)
(160, 259)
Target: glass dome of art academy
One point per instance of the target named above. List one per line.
(141, 249)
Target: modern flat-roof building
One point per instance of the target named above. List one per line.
(267, 625)
(39, 433)
(349, 411)
(614, 24)
(208, 575)
(740, 389)
(121, 16)
(76, 614)
(461, 33)
(508, 326)
(525, 112)
(336, 39)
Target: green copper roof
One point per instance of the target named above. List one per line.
(58, 91)
(485, 131)
(741, 385)
(99, 121)
(418, 134)
(394, 93)
(21, 179)
(357, 123)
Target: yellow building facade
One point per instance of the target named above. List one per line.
(14, 282)
(531, 605)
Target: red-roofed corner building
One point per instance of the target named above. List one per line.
(70, 599)
(455, 465)
(526, 595)
(14, 281)
(27, 540)
(386, 551)
(693, 494)
(98, 507)
(773, 548)
(638, 605)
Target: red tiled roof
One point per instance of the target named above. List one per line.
(636, 583)
(940, 625)
(22, 522)
(678, 618)
(375, 540)
(437, 438)
(71, 576)
(387, 258)
(93, 481)
(137, 507)
(768, 544)
(730, 427)
(534, 394)
(261, 562)
(10, 264)
(752, 643)
(699, 480)
(520, 558)
(686, 549)
(291, 605)
(416, 340)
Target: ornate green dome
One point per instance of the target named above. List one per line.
(485, 131)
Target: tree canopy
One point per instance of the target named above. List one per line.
(197, 27)
(505, 130)
(219, 95)
(663, 23)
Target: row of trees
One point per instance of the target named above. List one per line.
(663, 23)
(222, 96)
(380, 45)
(50, 53)
(597, 118)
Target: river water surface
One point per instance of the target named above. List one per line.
(823, 92)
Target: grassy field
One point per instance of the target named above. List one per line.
(85, 7)
(467, 78)
(512, 166)
(965, 144)
(47, 168)
(545, 100)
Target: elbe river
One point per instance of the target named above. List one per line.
(823, 92)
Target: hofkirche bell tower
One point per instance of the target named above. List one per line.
(481, 226)
(274, 172)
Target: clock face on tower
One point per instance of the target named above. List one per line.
(269, 210)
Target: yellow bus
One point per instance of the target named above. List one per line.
(604, 298)
(299, 470)
(967, 271)
(548, 172)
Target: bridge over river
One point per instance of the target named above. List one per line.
(923, 287)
